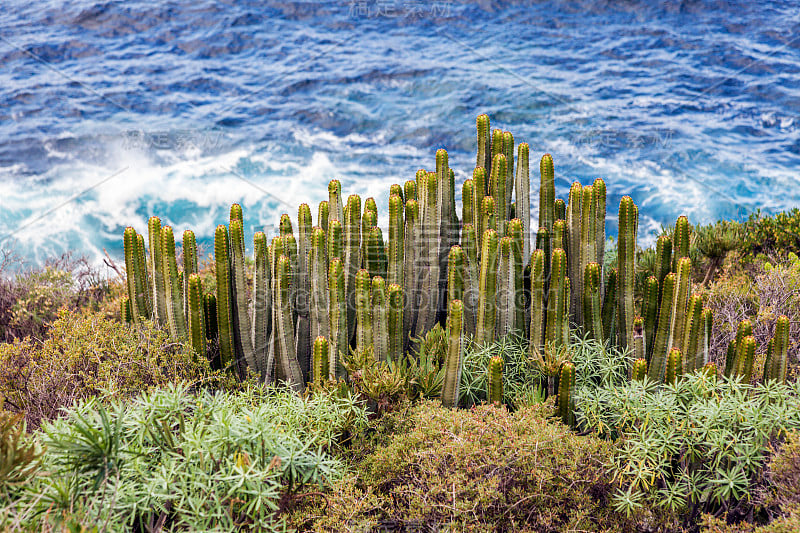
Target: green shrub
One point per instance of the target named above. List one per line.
(86, 354)
(225, 461)
(699, 445)
(772, 235)
(19, 455)
(480, 469)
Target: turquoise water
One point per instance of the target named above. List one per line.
(111, 112)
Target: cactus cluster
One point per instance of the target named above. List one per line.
(320, 291)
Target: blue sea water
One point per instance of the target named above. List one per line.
(113, 111)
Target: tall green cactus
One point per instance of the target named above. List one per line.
(505, 289)
(663, 257)
(661, 344)
(469, 242)
(488, 218)
(566, 386)
(508, 151)
(639, 370)
(352, 257)
(638, 339)
(479, 192)
(284, 327)
(134, 275)
(497, 185)
(547, 194)
(338, 317)
(321, 370)
(515, 232)
(262, 306)
(691, 335)
(242, 327)
(396, 240)
(488, 287)
(189, 264)
(522, 184)
(455, 274)
(747, 354)
(320, 326)
(674, 367)
(592, 305)
(560, 209)
(126, 312)
(588, 244)
(626, 263)
(224, 306)
(302, 290)
(380, 319)
(599, 189)
(428, 248)
(395, 323)
(210, 309)
(468, 202)
(681, 241)
(776, 364)
(573, 246)
(484, 158)
(556, 305)
(175, 315)
(146, 282)
(455, 351)
(156, 273)
(323, 216)
(197, 325)
(412, 254)
(536, 328)
(494, 381)
(650, 300)
(335, 242)
(363, 310)
(335, 207)
(610, 305)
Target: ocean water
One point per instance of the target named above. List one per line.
(113, 111)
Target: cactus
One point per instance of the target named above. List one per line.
(572, 246)
(547, 194)
(469, 242)
(681, 241)
(396, 190)
(176, 318)
(395, 323)
(592, 306)
(210, 310)
(747, 354)
(262, 306)
(514, 229)
(135, 275)
(650, 312)
(145, 281)
(494, 381)
(197, 325)
(522, 183)
(321, 357)
(691, 335)
(335, 245)
(704, 339)
(505, 289)
(352, 257)
(189, 265)
(776, 363)
(455, 350)
(412, 253)
(497, 187)
(125, 311)
(610, 305)
(338, 317)
(159, 287)
(335, 208)
(679, 315)
(658, 356)
(560, 209)
(588, 245)
(663, 257)
(323, 216)
(410, 191)
(428, 248)
(488, 286)
(710, 370)
(674, 367)
(224, 310)
(536, 329)
(479, 192)
(318, 258)
(242, 327)
(484, 158)
(396, 240)
(543, 243)
(638, 338)
(626, 252)
(302, 290)
(375, 252)
(599, 189)
(455, 274)
(468, 202)
(488, 218)
(284, 327)
(363, 311)
(566, 385)
(556, 305)
(380, 319)
(508, 151)
(639, 370)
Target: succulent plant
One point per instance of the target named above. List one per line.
(776, 362)
(494, 381)
(626, 254)
(566, 385)
(487, 306)
(455, 351)
(196, 316)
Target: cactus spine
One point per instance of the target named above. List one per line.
(455, 349)
(494, 381)
(175, 315)
(488, 287)
(566, 385)
(628, 220)
(197, 326)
